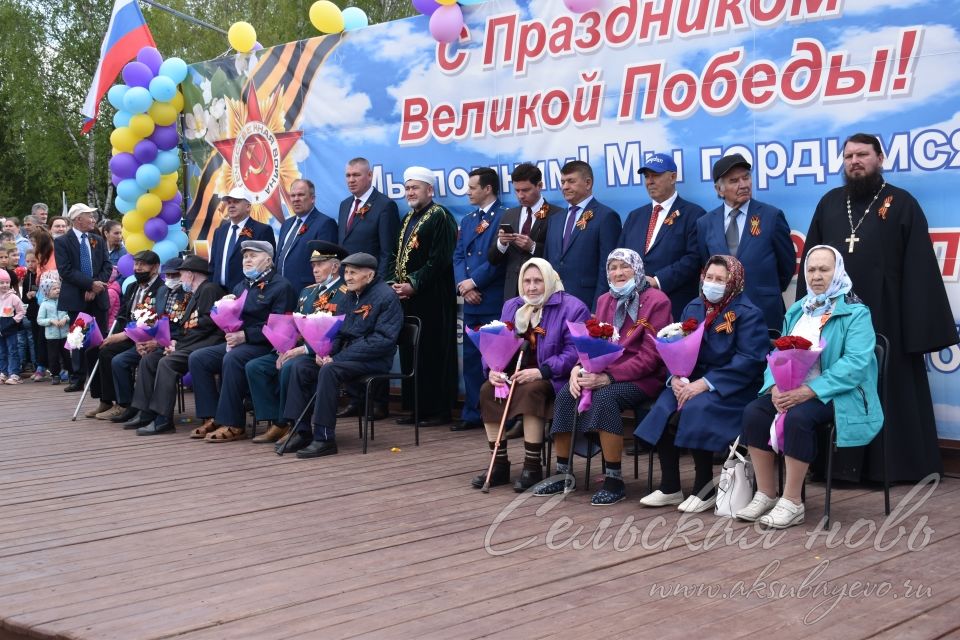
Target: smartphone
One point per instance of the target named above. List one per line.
(506, 228)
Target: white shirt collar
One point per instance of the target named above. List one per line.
(80, 233)
(582, 204)
(240, 224)
(727, 208)
(486, 208)
(366, 196)
(536, 207)
(666, 204)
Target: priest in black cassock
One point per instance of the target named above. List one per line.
(421, 271)
(883, 236)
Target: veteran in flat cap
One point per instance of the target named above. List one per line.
(755, 233)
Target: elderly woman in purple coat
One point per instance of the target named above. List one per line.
(539, 315)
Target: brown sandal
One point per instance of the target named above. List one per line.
(226, 434)
(201, 432)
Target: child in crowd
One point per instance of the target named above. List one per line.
(5, 250)
(11, 314)
(27, 340)
(56, 326)
(114, 294)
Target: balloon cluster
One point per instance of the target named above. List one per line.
(145, 158)
(446, 17)
(328, 18)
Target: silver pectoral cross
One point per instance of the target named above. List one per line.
(851, 241)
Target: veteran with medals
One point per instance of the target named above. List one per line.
(421, 271)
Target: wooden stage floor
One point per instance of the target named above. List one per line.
(107, 535)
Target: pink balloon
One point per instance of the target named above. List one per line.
(581, 6)
(446, 23)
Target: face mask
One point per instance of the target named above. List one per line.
(172, 283)
(187, 286)
(713, 291)
(623, 290)
(142, 277)
(251, 274)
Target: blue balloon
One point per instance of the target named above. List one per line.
(166, 249)
(168, 161)
(137, 100)
(163, 89)
(148, 176)
(175, 69)
(129, 190)
(467, 3)
(123, 205)
(126, 283)
(115, 95)
(354, 18)
(121, 119)
(178, 237)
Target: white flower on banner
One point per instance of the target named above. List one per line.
(245, 63)
(196, 123)
(206, 87)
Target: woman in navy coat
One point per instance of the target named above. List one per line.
(726, 378)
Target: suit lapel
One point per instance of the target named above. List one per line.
(348, 229)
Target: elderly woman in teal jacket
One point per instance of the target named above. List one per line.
(841, 387)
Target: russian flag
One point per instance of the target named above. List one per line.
(126, 35)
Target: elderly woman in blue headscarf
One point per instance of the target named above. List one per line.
(637, 311)
(841, 387)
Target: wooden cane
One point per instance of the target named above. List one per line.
(503, 418)
(93, 372)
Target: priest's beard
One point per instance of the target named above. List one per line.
(863, 189)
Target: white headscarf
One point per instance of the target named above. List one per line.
(530, 313)
(817, 305)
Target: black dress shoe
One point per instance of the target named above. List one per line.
(434, 421)
(318, 448)
(154, 429)
(527, 479)
(500, 475)
(350, 411)
(129, 416)
(142, 419)
(297, 441)
(464, 425)
(73, 387)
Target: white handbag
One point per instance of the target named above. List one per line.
(735, 488)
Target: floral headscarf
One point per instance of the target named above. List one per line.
(734, 287)
(530, 313)
(628, 303)
(817, 305)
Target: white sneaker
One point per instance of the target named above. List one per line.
(694, 504)
(3, 378)
(784, 514)
(14, 379)
(660, 499)
(760, 504)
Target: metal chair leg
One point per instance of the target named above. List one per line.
(826, 507)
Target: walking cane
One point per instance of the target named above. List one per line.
(93, 372)
(503, 418)
(293, 429)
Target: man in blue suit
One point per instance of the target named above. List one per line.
(478, 281)
(757, 234)
(226, 259)
(296, 232)
(580, 239)
(664, 233)
(369, 221)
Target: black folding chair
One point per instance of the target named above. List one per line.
(409, 337)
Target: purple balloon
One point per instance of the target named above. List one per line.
(125, 266)
(124, 165)
(446, 23)
(155, 229)
(137, 74)
(145, 152)
(165, 137)
(426, 7)
(115, 179)
(170, 212)
(188, 380)
(178, 199)
(152, 58)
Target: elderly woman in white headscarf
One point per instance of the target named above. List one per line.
(539, 315)
(841, 387)
(637, 311)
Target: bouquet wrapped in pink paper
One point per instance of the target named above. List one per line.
(226, 313)
(679, 346)
(84, 333)
(789, 362)
(158, 329)
(318, 330)
(281, 331)
(497, 343)
(596, 344)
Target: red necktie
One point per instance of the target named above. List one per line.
(527, 223)
(356, 205)
(652, 227)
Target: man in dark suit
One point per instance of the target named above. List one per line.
(479, 282)
(528, 227)
(579, 241)
(755, 233)
(664, 233)
(84, 268)
(225, 255)
(369, 221)
(307, 223)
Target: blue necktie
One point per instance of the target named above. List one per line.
(86, 263)
(288, 243)
(568, 229)
(231, 241)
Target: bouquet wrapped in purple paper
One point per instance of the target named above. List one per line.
(226, 313)
(679, 346)
(84, 333)
(597, 348)
(144, 330)
(789, 363)
(497, 343)
(281, 331)
(318, 330)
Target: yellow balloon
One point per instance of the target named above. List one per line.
(447, 2)
(242, 36)
(149, 204)
(177, 102)
(164, 191)
(133, 222)
(162, 113)
(137, 242)
(114, 151)
(124, 139)
(170, 177)
(142, 125)
(326, 17)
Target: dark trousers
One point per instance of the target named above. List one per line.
(306, 377)
(670, 463)
(102, 384)
(124, 368)
(57, 356)
(799, 427)
(227, 406)
(39, 338)
(156, 388)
